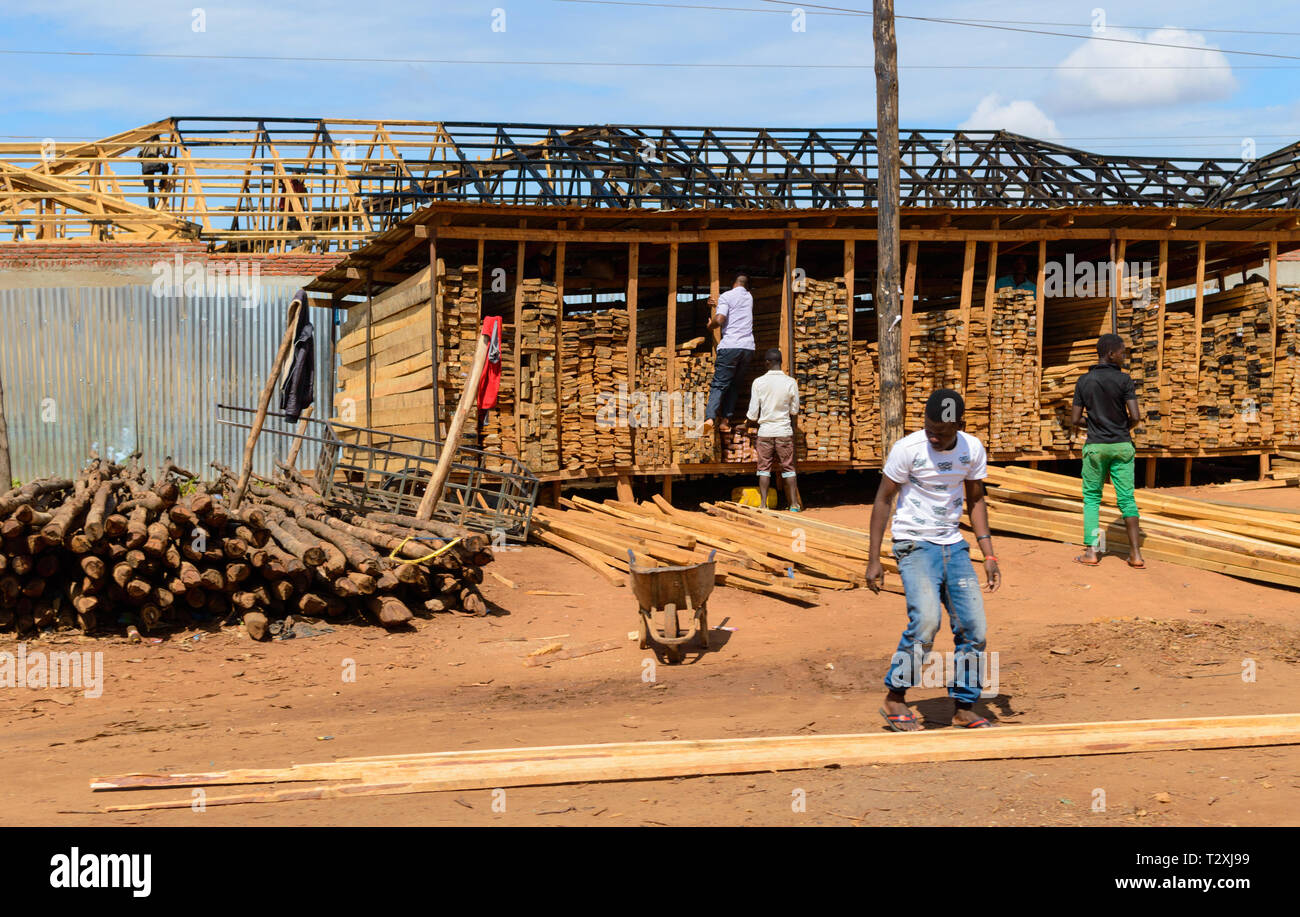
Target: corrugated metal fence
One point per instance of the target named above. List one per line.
(115, 369)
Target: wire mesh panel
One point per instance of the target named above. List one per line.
(373, 471)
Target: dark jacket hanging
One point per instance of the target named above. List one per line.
(298, 391)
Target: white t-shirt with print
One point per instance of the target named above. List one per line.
(933, 490)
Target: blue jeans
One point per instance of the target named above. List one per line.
(936, 575)
(729, 365)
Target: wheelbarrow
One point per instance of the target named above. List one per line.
(666, 595)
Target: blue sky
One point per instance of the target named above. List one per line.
(1192, 112)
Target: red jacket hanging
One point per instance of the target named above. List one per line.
(490, 383)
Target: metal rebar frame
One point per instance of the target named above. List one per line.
(313, 184)
(375, 471)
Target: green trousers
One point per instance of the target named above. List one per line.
(1117, 462)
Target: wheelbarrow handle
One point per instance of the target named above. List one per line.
(712, 554)
(632, 557)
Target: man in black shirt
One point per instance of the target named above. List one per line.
(1109, 398)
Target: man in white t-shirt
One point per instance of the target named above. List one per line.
(774, 403)
(735, 316)
(934, 472)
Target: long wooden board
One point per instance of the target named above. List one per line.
(651, 760)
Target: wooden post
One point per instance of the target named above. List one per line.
(1272, 331)
(991, 292)
(6, 468)
(370, 357)
(1162, 390)
(264, 402)
(559, 348)
(668, 487)
(963, 310)
(292, 460)
(1038, 330)
(520, 257)
(433, 493)
(633, 281)
(1114, 290)
(434, 293)
(787, 303)
(1264, 462)
(1196, 325)
(892, 340)
(624, 488)
(670, 346)
(905, 322)
(715, 289)
(850, 281)
(1117, 278)
(1150, 472)
(1187, 472)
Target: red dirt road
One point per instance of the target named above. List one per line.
(1074, 644)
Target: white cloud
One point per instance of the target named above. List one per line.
(1020, 116)
(1088, 78)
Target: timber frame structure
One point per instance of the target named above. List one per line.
(665, 263)
(259, 184)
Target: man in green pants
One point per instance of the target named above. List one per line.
(1107, 394)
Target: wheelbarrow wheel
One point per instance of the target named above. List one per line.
(670, 622)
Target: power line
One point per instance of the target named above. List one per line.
(969, 23)
(831, 11)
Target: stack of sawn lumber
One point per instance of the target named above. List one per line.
(1255, 544)
(790, 556)
(115, 548)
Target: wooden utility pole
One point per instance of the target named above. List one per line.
(888, 313)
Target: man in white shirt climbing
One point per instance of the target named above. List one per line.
(774, 402)
(735, 316)
(934, 472)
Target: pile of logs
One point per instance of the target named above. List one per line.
(118, 549)
(539, 414)
(821, 369)
(594, 379)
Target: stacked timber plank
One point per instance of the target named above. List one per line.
(499, 436)
(668, 434)
(1286, 390)
(539, 413)
(1008, 341)
(1235, 397)
(821, 370)
(1254, 544)
(866, 402)
(595, 378)
(933, 360)
(694, 376)
(740, 442)
(1173, 411)
(653, 445)
(401, 373)
(778, 554)
(458, 333)
(115, 548)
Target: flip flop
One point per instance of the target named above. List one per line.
(1087, 563)
(1140, 565)
(980, 723)
(894, 719)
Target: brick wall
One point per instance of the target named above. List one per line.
(46, 256)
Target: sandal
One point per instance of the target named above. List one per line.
(1083, 559)
(896, 721)
(1140, 565)
(980, 723)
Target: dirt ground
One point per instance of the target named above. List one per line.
(1074, 644)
